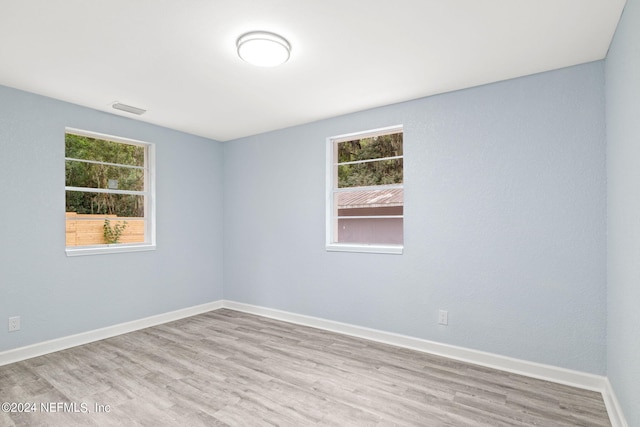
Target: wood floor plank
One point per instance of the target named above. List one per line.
(226, 368)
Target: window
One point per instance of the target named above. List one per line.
(365, 191)
(109, 194)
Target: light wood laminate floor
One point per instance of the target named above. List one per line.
(226, 368)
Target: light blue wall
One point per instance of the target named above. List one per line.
(505, 222)
(623, 165)
(56, 295)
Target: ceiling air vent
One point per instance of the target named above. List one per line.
(128, 108)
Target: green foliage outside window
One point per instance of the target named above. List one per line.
(370, 173)
(81, 173)
(112, 233)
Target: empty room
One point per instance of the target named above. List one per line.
(296, 213)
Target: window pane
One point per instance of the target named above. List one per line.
(91, 175)
(382, 172)
(121, 205)
(373, 215)
(386, 231)
(86, 148)
(376, 147)
(359, 216)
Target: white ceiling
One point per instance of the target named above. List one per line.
(177, 58)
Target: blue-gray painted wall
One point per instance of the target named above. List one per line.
(505, 222)
(56, 295)
(623, 165)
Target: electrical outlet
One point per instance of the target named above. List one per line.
(443, 317)
(14, 323)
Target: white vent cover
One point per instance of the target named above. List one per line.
(128, 108)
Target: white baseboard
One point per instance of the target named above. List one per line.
(41, 348)
(613, 406)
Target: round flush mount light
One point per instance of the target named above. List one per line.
(263, 49)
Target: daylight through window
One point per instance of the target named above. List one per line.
(108, 194)
(366, 191)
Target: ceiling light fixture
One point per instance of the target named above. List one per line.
(263, 49)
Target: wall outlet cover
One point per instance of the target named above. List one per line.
(443, 317)
(14, 323)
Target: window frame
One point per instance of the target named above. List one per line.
(331, 189)
(149, 199)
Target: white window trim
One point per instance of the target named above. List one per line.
(109, 249)
(330, 245)
(364, 248)
(150, 201)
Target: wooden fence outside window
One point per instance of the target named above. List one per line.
(85, 230)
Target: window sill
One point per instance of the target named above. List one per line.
(362, 248)
(108, 249)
